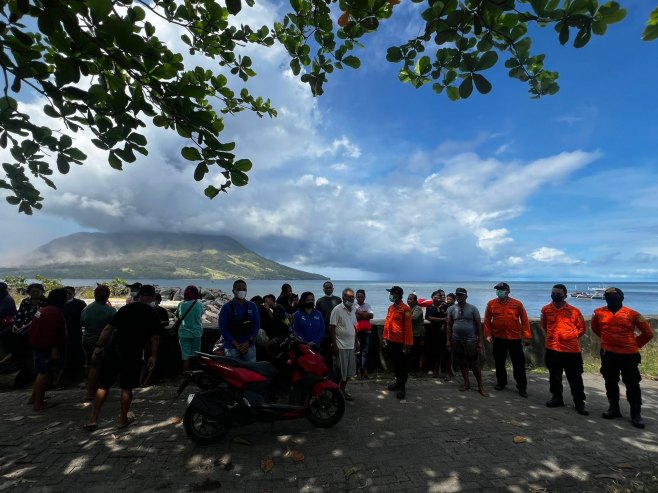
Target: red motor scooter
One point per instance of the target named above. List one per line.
(236, 393)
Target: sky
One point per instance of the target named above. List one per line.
(376, 180)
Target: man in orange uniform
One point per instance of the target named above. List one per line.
(398, 338)
(505, 325)
(615, 324)
(564, 325)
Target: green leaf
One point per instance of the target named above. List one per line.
(453, 93)
(233, 6)
(482, 84)
(352, 61)
(394, 54)
(63, 164)
(466, 87)
(487, 61)
(200, 171)
(424, 65)
(191, 153)
(651, 31)
(239, 178)
(114, 161)
(564, 34)
(243, 165)
(100, 8)
(211, 192)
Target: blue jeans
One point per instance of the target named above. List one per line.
(250, 355)
(364, 347)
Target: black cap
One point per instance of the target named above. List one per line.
(396, 290)
(135, 285)
(460, 291)
(146, 290)
(3, 286)
(502, 285)
(615, 290)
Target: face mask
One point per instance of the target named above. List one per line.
(309, 304)
(614, 302)
(391, 298)
(501, 293)
(133, 293)
(348, 304)
(557, 297)
(241, 295)
(69, 301)
(152, 303)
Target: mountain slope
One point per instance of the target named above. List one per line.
(150, 255)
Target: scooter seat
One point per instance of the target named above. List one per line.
(264, 368)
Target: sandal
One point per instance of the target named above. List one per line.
(90, 427)
(129, 421)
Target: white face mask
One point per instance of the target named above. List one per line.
(152, 303)
(241, 295)
(133, 293)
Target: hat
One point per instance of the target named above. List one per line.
(3, 286)
(135, 285)
(615, 290)
(502, 285)
(396, 290)
(146, 290)
(460, 291)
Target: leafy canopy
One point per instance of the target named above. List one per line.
(101, 68)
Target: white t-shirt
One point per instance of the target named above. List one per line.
(345, 322)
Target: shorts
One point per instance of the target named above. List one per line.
(345, 362)
(189, 346)
(127, 369)
(89, 345)
(43, 363)
(466, 354)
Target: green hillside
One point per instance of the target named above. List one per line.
(150, 255)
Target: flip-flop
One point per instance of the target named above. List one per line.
(129, 421)
(90, 427)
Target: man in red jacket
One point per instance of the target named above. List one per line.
(506, 325)
(615, 324)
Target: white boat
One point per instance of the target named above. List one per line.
(590, 294)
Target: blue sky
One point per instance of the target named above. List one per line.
(377, 180)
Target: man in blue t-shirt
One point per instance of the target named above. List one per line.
(239, 324)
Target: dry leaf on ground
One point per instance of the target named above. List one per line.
(266, 465)
(520, 439)
(515, 423)
(294, 455)
(175, 421)
(241, 441)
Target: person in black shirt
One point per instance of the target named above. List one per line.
(325, 305)
(135, 324)
(74, 356)
(438, 356)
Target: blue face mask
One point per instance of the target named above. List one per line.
(391, 298)
(501, 293)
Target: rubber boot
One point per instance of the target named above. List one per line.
(613, 411)
(636, 417)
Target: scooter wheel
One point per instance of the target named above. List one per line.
(203, 429)
(327, 408)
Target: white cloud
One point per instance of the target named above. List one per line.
(552, 255)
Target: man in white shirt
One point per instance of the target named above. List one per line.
(342, 333)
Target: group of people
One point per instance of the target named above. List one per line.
(450, 333)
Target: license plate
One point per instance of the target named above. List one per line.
(189, 398)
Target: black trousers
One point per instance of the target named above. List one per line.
(399, 361)
(572, 365)
(612, 364)
(501, 347)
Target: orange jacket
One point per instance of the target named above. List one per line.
(397, 326)
(617, 330)
(563, 327)
(501, 320)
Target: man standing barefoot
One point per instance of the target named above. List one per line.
(465, 338)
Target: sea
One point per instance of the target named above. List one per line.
(641, 296)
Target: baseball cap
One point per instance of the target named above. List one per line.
(135, 285)
(502, 285)
(147, 290)
(460, 291)
(396, 290)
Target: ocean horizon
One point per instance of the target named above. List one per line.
(641, 296)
